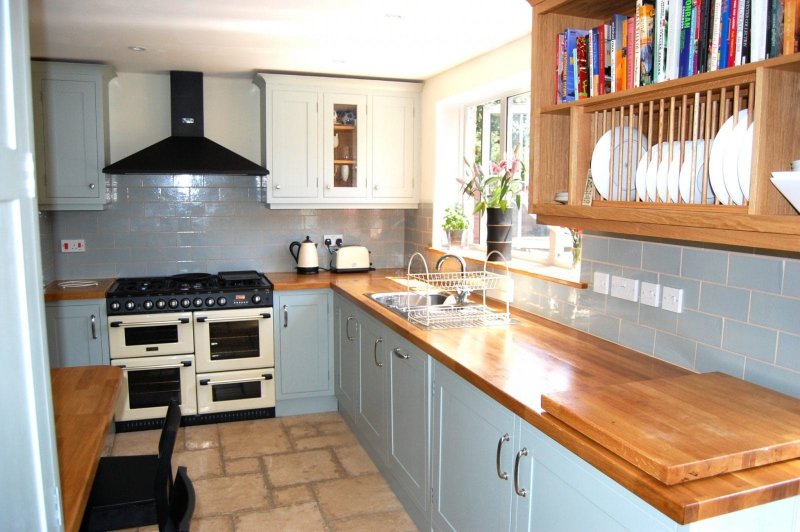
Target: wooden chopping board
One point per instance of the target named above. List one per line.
(685, 428)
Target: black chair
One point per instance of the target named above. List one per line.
(133, 491)
(181, 504)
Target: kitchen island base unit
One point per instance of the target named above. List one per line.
(487, 468)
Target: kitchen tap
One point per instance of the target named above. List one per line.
(463, 293)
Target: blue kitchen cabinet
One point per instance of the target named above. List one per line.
(347, 353)
(372, 415)
(409, 419)
(77, 333)
(70, 112)
(303, 328)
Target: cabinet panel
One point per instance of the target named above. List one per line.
(373, 414)
(293, 141)
(303, 358)
(345, 157)
(468, 426)
(393, 150)
(409, 418)
(348, 351)
(76, 333)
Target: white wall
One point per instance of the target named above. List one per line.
(139, 107)
(443, 96)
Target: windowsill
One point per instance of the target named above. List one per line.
(555, 274)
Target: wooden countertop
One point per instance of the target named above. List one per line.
(54, 292)
(516, 365)
(83, 401)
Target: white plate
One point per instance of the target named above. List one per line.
(641, 174)
(730, 164)
(717, 158)
(661, 177)
(789, 185)
(601, 157)
(674, 172)
(745, 162)
(652, 175)
(686, 173)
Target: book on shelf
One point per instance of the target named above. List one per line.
(704, 35)
(630, 43)
(724, 34)
(774, 28)
(733, 32)
(758, 30)
(637, 45)
(743, 45)
(581, 52)
(660, 42)
(790, 26)
(561, 73)
(647, 48)
(618, 37)
(602, 80)
(571, 62)
(681, 40)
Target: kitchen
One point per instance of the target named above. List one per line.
(763, 354)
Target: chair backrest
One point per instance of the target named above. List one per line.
(166, 445)
(181, 505)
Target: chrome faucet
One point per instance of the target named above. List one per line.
(462, 294)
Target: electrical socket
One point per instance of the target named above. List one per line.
(73, 246)
(650, 294)
(600, 284)
(333, 240)
(672, 299)
(624, 288)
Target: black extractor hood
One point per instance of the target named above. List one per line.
(187, 151)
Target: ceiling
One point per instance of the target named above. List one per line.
(404, 39)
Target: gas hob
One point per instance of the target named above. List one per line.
(188, 292)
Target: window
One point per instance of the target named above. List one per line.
(493, 130)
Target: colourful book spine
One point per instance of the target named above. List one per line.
(560, 74)
(637, 46)
(789, 26)
(648, 46)
(608, 62)
(686, 38)
(758, 30)
(629, 54)
(601, 58)
(620, 35)
(732, 31)
(699, 28)
(744, 57)
(716, 30)
(581, 48)
(594, 63)
(724, 33)
(737, 58)
(660, 42)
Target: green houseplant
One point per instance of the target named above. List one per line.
(455, 223)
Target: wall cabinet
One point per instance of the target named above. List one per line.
(682, 111)
(70, 112)
(340, 143)
(77, 333)
(303, 353)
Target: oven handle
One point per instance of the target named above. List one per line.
(148, 323)
(206, 319)
(184, 364)
(265, 377)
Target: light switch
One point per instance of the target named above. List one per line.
(600, 284)
(624, 288)
(672, 299)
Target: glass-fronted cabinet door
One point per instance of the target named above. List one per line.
(344, 141)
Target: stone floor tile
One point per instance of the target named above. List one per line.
(140, 442)
(220, 523)
(301, 431)
(199, 464)
(242, 465)
(301, 467)
(355, 460)
(225, 495)
(397, 521)
(300, 518)
(338, 427)
(242, 439)
(292, 495)
(201, 437)
(354, 496)
(331, 440)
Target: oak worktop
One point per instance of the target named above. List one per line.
(58, 291)
(516, 365)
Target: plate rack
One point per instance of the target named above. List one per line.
(458, 316)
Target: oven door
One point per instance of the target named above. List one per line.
(146, 335)
(235, 390)
(150, 383)
(233, 339)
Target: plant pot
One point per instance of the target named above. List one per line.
(455, 237)
(498, 233)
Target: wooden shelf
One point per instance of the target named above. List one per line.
(341, 127)
(344, 161)
(564, 136)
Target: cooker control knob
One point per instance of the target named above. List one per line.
(210, 302)
(115, 305)
(256, 299)
(147, 305)
(221, 301)
(130, 305)
(173, 303)
(198, 302)
(186, 302)
(160, 304)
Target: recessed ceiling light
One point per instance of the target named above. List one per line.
(137, 48)
(394, 16)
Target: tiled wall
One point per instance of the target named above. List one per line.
(163, 225)
(741, 311)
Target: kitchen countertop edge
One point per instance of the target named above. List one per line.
(53, 292)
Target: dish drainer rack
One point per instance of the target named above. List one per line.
(457, 316)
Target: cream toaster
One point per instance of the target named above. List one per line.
(351, 259)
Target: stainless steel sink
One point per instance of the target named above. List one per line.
(401, 301)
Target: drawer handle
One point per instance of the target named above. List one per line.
(93, 321)
(285, 316)
(399, 353)
(522, 492)
(375, 352)
(502, 474)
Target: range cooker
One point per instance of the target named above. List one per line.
(203, 339)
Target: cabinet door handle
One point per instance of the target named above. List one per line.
(502, 474)
(375, 352)
(522, 492)
(277, 187)
(285, 316)
(93, 322)
(347, 328)
(399, 353)
(91, 186)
